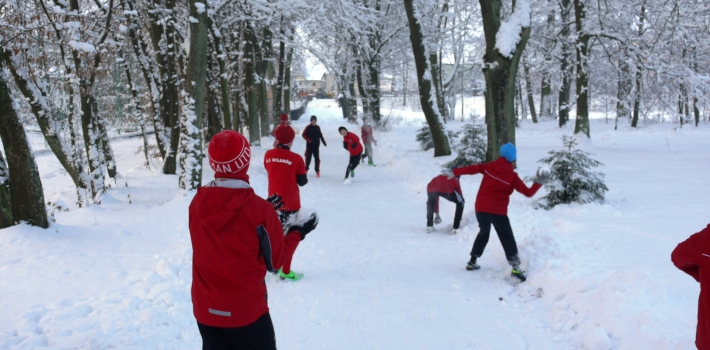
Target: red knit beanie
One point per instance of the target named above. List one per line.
(229, 155)
(283, 117)
(284, 135)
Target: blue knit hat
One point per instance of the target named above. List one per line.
(509, 152)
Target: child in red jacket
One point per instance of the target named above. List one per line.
(499, 182)
(449, 189)
(351, 143)
(693, 257)
(236, 238)
(286, 172)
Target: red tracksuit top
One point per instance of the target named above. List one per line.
(499, 182)
(353, 144)
(367, 136)
(442, 184)
(693, 257)
(283, 166)
(236, 237)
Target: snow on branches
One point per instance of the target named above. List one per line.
(510, 31)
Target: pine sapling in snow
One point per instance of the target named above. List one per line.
(572, 179)
(471, 149)
(426, 142)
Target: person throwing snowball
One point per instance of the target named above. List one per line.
(499, 182)
(351, 143)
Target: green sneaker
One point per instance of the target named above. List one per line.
(352, 173)
(471, 265)
(519, 275)
(291, 276)
(371, 164)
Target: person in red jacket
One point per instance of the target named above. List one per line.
(368, 138)
(286, 173)
(313, 137)
(351, 143)
(283, 121)
(236, 238)
(499, 182)
(692, 256)
(449, 189)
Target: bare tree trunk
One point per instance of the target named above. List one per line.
(6, 219)
(581, 124)
(563, 101)
(287, 81)
(263, 55)
(224, 81)
(191, 130)
(27, 197)
(251, 85)
(529, 91)
(278, 91)
(172, 90)
(500, 73)
(137, 105)
(427, 96)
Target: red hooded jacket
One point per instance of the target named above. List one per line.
(693, 257)
(499, 182)
(352, 142)
(236, 237)
(284, 168)
(442, 184)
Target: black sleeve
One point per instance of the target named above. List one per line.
(302, 179)
(345, 145)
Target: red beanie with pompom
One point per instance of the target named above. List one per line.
(284, 135)
(229, 155)
(283, 117)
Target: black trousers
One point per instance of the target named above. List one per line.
(256, 336)
(354, 162)
(505, 234)
(313, 152)
(432, 205)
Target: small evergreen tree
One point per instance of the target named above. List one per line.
(426, 142)
(471, 149)
(572, 179)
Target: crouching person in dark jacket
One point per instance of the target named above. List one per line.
(236, 238)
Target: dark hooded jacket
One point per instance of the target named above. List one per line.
(499, 181)
(236, 237)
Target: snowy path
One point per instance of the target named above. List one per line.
(118, 275)
(375, 279)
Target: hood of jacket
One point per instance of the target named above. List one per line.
(215, 207)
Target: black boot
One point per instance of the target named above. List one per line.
(471, 265)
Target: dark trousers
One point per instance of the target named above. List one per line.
(432, 206)
(505, 234)
(313, 152)
(354, 162)
(256, 336)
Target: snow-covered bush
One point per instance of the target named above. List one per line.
(471, 148)
(572, 178)
(426, 142)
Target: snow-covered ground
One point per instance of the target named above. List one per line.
(600, 277)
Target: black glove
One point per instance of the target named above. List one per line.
(305, 227)
(275, 200)
(354, 145)
(325, 144)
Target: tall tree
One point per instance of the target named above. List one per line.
(194, 106)
(26, 194)
(427, 95)
(505, 42)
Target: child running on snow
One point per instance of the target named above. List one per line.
(368, 138)
(313, 137)
(499, 181)
(286, 172)
(449, 189)
(236, 238)
(351, 143)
